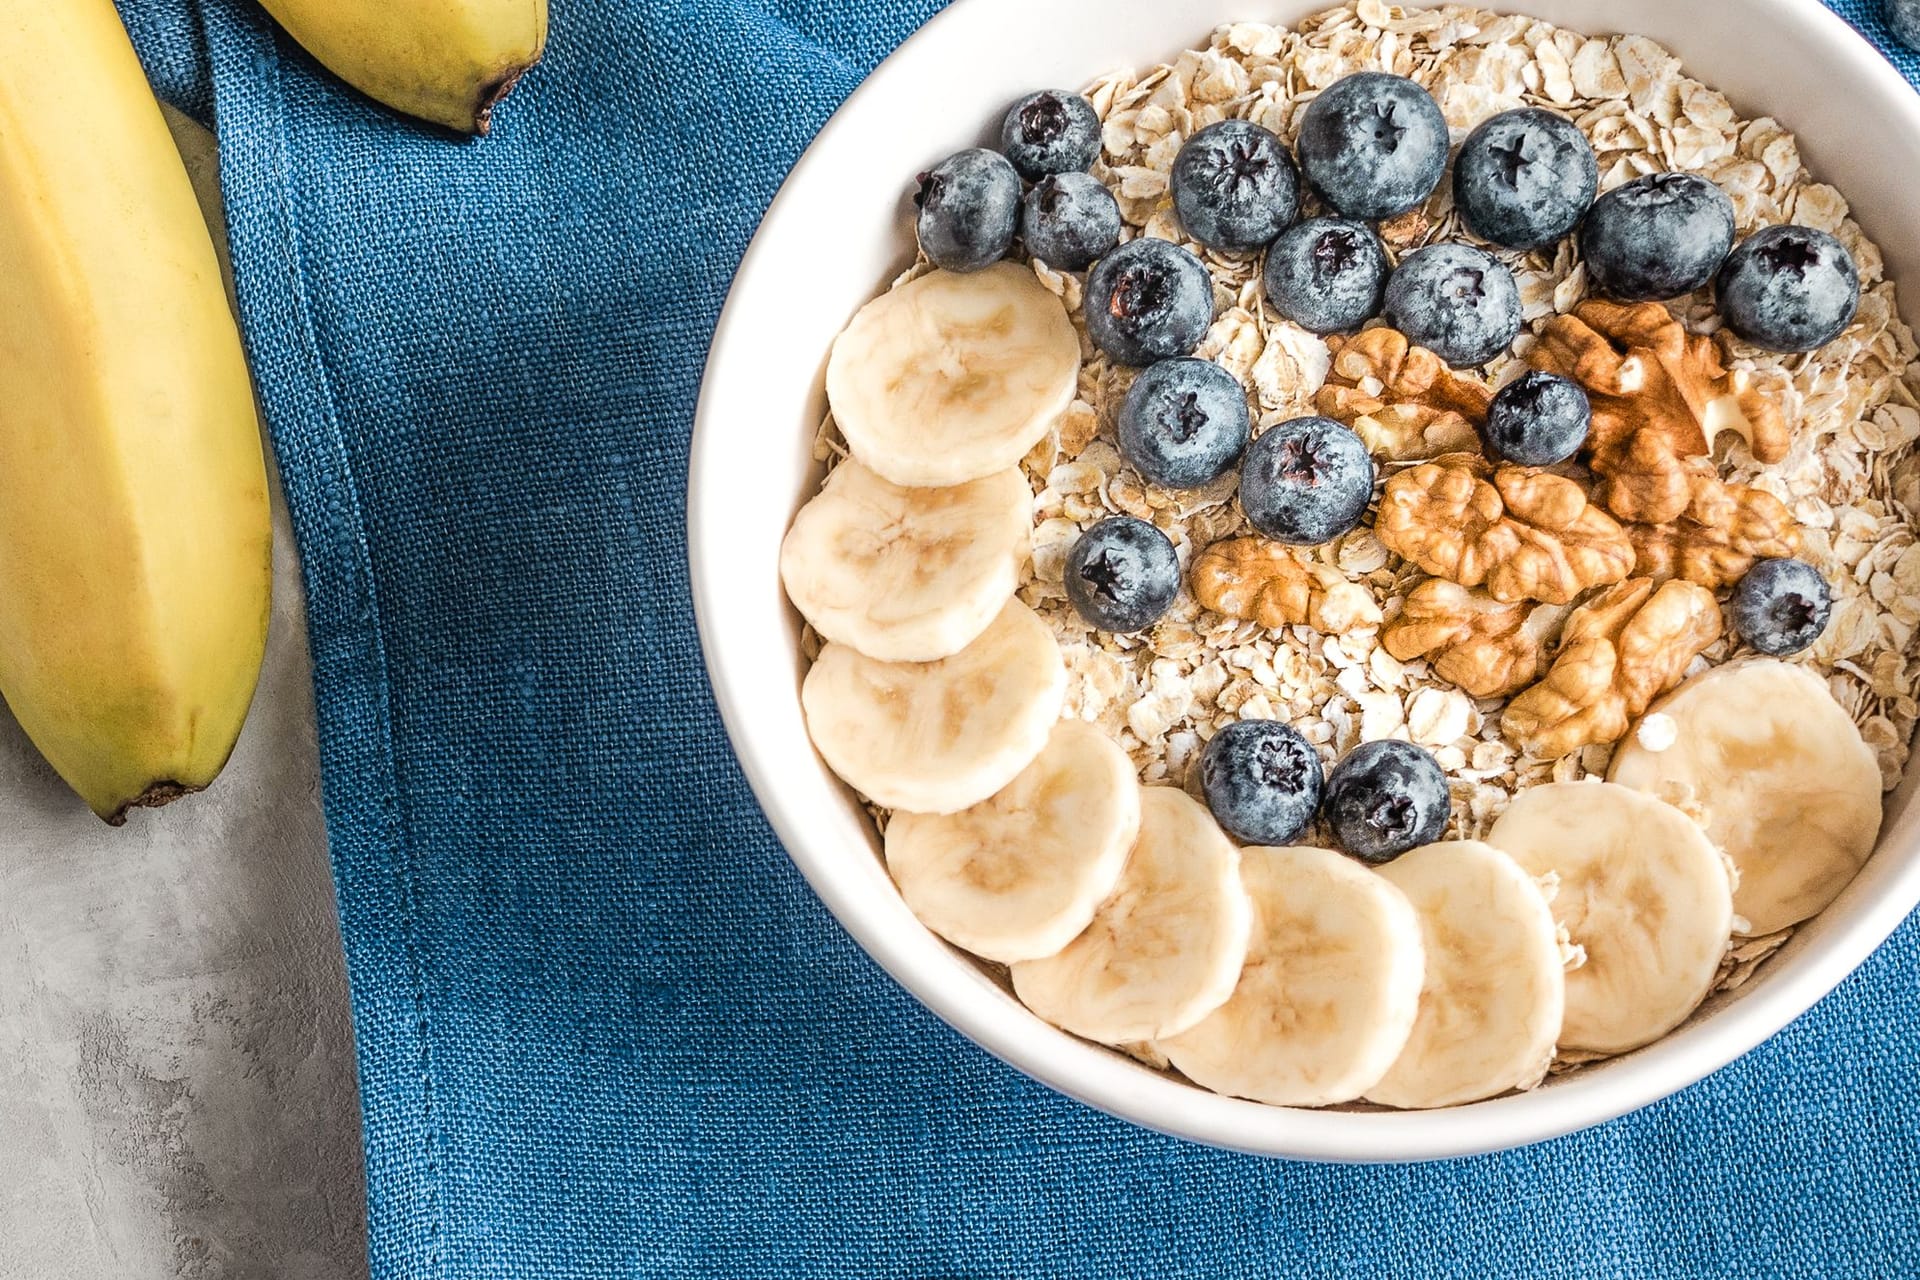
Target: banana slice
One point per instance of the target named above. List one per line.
(1165, 950)
(1018, 877)
(1495, 987)
(1641, 888)
(907, 575)
(1792, 793)
(1329, 992)
(936, 737)
(953, 376)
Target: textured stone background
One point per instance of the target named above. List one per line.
(176, 1061)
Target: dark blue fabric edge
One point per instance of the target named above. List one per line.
(368, 848)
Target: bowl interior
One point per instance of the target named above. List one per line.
(841, 228)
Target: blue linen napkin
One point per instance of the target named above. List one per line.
(603, 1027)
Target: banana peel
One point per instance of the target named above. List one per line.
(135, 539)
(444, 61)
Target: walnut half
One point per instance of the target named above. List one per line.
(1487, 648)
(1402, 400)
(1660, 395)
(1620, 651)
(1525, 534)
(1724, 529)
(1264, 582)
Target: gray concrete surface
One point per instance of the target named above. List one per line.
(176, 1063)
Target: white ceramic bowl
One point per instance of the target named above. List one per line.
(840, 229)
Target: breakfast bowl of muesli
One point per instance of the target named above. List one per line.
(1340, 582)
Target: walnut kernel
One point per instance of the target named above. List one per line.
(1263, 581)
(1620, 650)
(1724, 529)
(1525, 534)
(1660, 395)
(1402, 400)
(1487, 648)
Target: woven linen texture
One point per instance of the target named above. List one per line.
(604, 1029)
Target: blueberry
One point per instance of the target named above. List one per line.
(1781, 606)
(1657, 237)
(1538, 419)
(1306, 481)
(969, 204)
(1373, 145)
(1903, 19)
(1788, 289)
(1455, 300)
(1052, 131)
(1122, 574)
(1385, 798)
(1523, 178)
(1262, 781)
(1327, 275)
(1069, 220)
(1234, 186)
(1184, 423)
(1148, 300)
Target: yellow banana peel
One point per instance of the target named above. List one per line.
(447, 61)
(134, 534)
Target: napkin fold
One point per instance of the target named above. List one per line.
(603, 1026)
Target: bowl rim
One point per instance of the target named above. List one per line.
(964, 998)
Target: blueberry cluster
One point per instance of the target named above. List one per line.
(1371, 146)
(1185, 423)
(971, 204)
(1375, 146)
(1264, 784)
(1785, 288)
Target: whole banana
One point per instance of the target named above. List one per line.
(134, 534)
(447, 61)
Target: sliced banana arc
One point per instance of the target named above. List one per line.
(1165, 949)
(953, 376)
(1791, 791)
(1330, 988)
(1641, 889)
(936, 737)
(1018, 877)
(1495, 989)
(907, 575)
